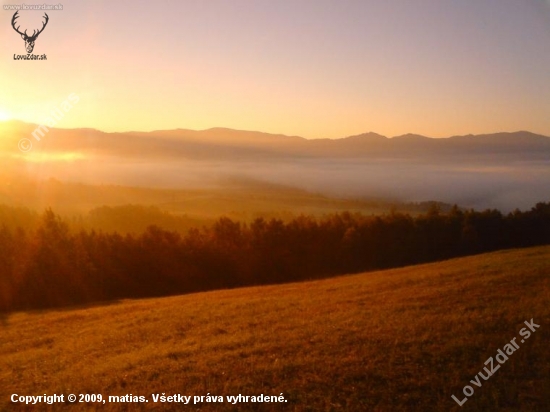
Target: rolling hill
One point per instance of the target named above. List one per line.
(404, 339)
(239, 199)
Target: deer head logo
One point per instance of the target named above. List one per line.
(29, 40)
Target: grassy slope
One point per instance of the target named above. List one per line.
(403, 339)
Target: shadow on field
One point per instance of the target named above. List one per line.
(90, 305)
(4, 316)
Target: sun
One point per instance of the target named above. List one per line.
(4, 116)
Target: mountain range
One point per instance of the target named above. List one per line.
(225, 144)
(500, 170)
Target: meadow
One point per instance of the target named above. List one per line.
(403, 339)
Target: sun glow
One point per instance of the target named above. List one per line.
(4, 116)
(50, 157)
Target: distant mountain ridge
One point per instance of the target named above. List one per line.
(227, 143)
(502, 170)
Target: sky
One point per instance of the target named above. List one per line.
(313, 68)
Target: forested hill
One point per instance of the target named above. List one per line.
(52, 266)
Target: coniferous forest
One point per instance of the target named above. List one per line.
(52, 265)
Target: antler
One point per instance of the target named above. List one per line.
(15, 17)
(43, 26)
(34, 33)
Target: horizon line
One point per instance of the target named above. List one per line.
(267, 133)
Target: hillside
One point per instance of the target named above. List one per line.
(404, 339)
(236, 198)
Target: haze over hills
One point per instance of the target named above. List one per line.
(501, 170)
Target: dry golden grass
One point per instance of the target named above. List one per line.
(404, 339)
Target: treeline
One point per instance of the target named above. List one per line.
(52, 266)
(123, 219)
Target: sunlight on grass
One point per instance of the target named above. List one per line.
(402, 339)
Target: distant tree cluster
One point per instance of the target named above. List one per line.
(52, 266)
(135, 219)
(123, 219)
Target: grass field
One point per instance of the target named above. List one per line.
(397, 340)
